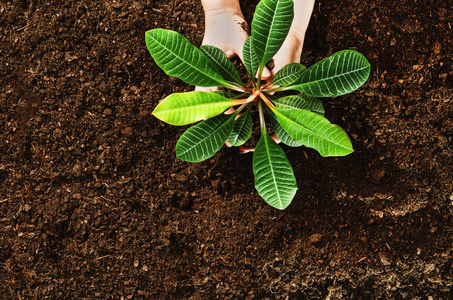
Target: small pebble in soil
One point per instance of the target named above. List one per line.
(77, 170)
(58, 133)
(379, 132)
(315, 238)
(143, 114)
(107, 112)
(181, 178)
(378, 174)
(128, 131)
(186, 202)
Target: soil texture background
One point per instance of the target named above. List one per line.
(95, 205)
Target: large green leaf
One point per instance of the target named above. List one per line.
(223, 64)
(274, 176)
(242, 129)
(300, 101)
(178, 57)
(203, 140)
(282, 135)
(251, 61)
(314, 131)
(190, 107)
(288, 74)
(339, 74)
(270, 26)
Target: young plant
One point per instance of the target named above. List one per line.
(297, 120)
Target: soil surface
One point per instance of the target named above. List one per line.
(94, 204)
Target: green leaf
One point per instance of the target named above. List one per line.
(223, 64)
(270, 26)
(314, 131)
(176, 55)
(300, 101)
(226, 94)
(251, 61)
(190, 107)
(203, 140)
(274, 176)
(242, 129)
(288, 74)
(339, 74)
(280, 132)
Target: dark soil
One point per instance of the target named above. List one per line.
(94, 204)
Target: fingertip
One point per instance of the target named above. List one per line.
(266, 74)
(205, 89)
(229, 53)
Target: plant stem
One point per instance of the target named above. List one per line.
(244, 100)
(260, 73)
(238, 88)
(238, 111)
(267, 101)
(262, 122)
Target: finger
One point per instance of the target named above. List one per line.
(266, 74)
(230, 53)
(275, 138)
(206, 89)
(244, 149)
(229, 111)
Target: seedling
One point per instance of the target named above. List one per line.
(297, 120)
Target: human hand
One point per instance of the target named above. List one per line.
(226, 29)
